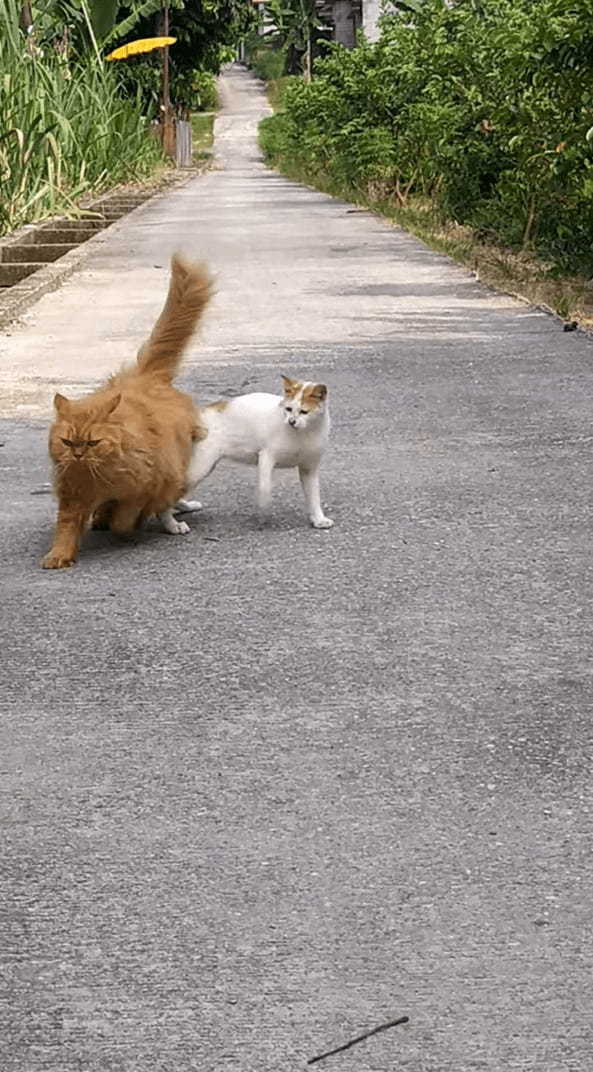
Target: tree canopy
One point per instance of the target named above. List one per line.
(206, 33)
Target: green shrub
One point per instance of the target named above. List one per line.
(486, 109)
(206, 97)
(267, 63)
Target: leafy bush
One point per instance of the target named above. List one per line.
(486, 109)
(195, 91)
(266, 62)
(206, 97)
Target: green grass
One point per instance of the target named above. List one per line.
(275, 88)
(202, 132)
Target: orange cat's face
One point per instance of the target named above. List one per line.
(303, 402)
(80, 435)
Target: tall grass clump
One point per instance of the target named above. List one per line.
(66, 129)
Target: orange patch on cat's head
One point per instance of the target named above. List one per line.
(314, 394)
(291, 387)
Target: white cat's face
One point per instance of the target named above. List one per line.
(303, 402)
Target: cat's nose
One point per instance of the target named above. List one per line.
(292, 422)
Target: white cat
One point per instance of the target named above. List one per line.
(289, 430)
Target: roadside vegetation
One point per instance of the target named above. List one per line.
(65, 129)
(469, 124)
(202, 116)
(73, 124)
(202, 131)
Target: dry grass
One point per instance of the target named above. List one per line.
(522, 275)
(275, 88)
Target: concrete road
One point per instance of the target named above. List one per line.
(265, 789)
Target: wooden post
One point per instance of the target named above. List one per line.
(308, 58)
(308, 62)
(165, 90)
(26, 17)
(26, 21)
(168, 120)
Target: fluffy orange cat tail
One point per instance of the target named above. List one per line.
(190, 290)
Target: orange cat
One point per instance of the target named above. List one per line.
(121, 454)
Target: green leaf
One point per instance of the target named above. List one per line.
(103, 15)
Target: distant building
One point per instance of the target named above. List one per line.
(371, 13)
(342, 19)
(265, 21)
(347, 17)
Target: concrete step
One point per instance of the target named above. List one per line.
(83, 226)
(116, 206)
(15, 273)
(121, 199)
(51, 240)
(66, 235)
(47, 251)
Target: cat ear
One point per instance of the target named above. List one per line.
(290, 386)
(318, 392)
(108, 407)
(61, 405)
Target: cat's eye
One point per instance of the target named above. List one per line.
(289, 409)
(304, 411)
(81, 443)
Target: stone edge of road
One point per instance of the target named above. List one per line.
(22, 296)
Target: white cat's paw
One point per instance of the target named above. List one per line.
(322, 523)
(176, 528)
(187, 506)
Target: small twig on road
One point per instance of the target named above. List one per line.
(359, 1038)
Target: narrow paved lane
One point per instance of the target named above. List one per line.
(266, 788)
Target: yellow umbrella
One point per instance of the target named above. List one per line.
(146, 44)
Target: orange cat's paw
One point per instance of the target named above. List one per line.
(55, 560)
